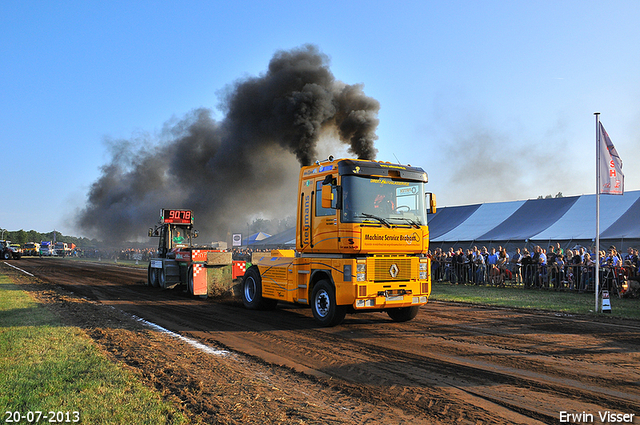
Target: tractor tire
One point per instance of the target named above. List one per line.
(162, 278)
(323, 305)
(190, 280)
(153, 277)
(252, 291)
(149, 277)
(403, 314)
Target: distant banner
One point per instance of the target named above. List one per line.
(611, 177)
(237, 239)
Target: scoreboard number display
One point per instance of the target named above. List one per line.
(176, 216)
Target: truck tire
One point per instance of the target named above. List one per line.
(324, 307)
(403, 314)
(252, 291)
(6, 255)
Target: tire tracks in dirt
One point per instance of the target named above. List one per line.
(453, 363)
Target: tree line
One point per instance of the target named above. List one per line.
(22, 237)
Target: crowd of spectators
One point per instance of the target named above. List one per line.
(555, 267)
(245, 254)
(238, 254)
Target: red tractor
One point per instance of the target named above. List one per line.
(179, 262)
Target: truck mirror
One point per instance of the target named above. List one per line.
(432, 203)
(150, 232)
(327, 196)
(195, 234)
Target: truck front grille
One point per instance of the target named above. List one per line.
(394, 269)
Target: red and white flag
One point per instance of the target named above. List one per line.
(611, 177)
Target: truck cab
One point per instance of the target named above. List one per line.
(361, 244)
(31, 248)
(46, 248)
(61, 249)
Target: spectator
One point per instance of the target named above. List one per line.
(516, 262)
(468, 265)
(541, 262)
(577, 262)
(503, 261)
(528, 268)
(480, 268)
(588, 272)
(492, 266)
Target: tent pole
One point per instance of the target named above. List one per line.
(597, 253)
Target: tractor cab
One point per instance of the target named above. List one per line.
(175, 232)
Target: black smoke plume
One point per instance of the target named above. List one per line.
(240, 167)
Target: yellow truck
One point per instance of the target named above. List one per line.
(361, 244)
(31, 248)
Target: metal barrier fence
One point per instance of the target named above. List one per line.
(569, 277)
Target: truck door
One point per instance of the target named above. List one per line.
(305, 208)
(325, 222)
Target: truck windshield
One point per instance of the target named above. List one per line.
(383, 200)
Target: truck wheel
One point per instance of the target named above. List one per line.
(324, 307)
(7, 255)
(403, 314)
(252, 291)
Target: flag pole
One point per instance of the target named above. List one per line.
(597, 250)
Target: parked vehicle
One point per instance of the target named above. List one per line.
(8, 252)
(46, 249)
(31, 248)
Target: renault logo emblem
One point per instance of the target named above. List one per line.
(393, 271)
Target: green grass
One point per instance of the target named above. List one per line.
(45, 366)
(565, 302)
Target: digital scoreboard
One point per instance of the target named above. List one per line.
(176, 216)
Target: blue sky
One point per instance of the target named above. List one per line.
(494, 99)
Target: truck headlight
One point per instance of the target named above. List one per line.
(423, 270)
(361, 272)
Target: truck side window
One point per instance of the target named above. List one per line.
(322, 212)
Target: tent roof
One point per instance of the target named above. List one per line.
(580, 221)
(288, 238)
(483, 219)
(249, 240)
(625, 227)
(531, 218)
(448, 218)
(540, 219)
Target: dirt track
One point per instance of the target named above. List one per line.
(452, 364)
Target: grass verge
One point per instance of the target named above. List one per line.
(565, 302)
(47, 367)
